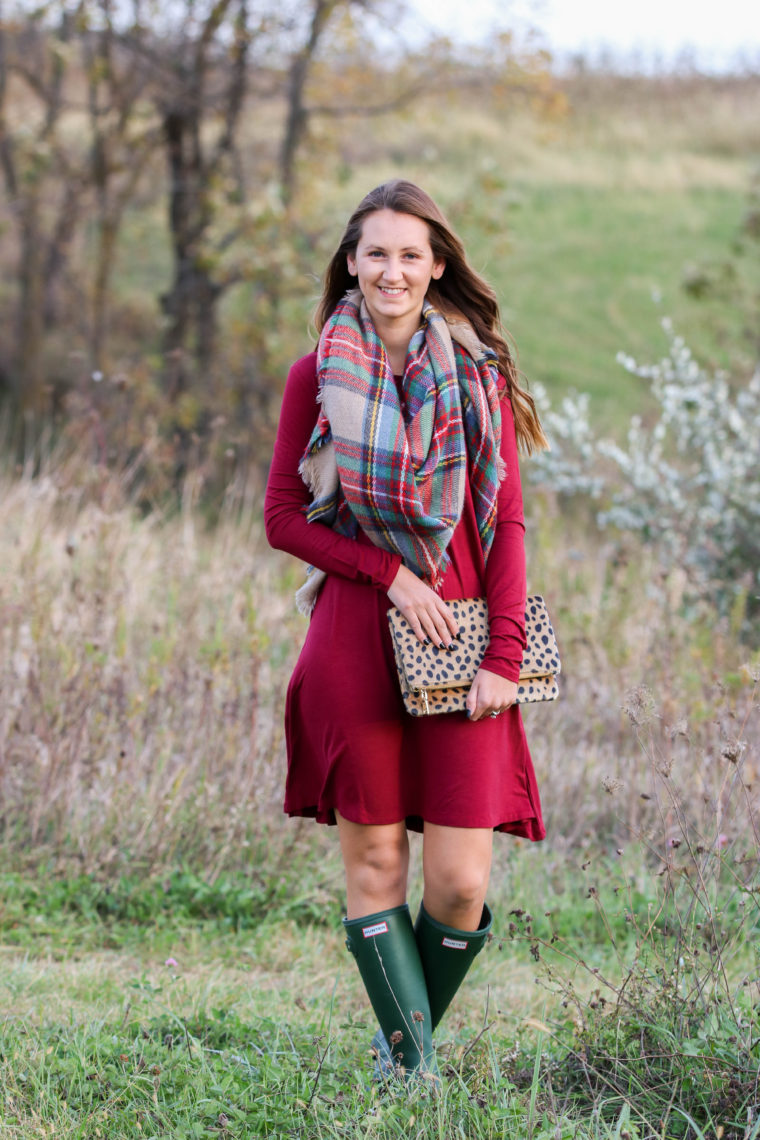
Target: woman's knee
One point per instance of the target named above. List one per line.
(461, 888)
(380, 866)
(457, 865)
(376, 860)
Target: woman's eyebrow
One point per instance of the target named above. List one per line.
(404, 249)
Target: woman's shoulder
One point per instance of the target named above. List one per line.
(304, 370)
(301, 389)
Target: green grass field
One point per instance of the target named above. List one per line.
(580, 280)
(131, 1015)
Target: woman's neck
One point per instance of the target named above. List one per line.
(395, 337)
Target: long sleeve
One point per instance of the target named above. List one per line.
(287, 496)
(505, 569)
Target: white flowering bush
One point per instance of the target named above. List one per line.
(688, 483)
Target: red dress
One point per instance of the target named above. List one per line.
(352, 747)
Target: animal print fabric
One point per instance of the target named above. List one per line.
(437, 680)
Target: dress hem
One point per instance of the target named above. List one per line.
(525, 828)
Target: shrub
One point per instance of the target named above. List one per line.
(688, 483)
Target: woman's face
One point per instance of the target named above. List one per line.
(394, 263)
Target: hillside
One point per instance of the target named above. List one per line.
(591, 223)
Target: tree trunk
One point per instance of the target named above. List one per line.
(297, 117)
(31, 300)
(192, 300)
(176, 303)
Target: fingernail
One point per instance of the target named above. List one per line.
(426, 641)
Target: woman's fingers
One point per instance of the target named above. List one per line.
(437, 621)
(427, 614)
(490, 695)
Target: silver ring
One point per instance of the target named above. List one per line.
(494, 713)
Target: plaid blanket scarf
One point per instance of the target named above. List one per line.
(396, 466)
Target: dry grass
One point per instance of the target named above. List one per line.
(671, 134)
(144, 662)
(143, 669)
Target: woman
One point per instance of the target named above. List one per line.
(395, 476)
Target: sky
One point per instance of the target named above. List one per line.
(717, 31)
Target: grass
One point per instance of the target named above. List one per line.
(163, 1026)
(144, 665)
(266, 1025)
(170, 1021)
(173, 1078)
(580, 282)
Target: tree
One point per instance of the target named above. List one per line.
(199, 90)
(43, 179)
(200, 115)
(123, 138)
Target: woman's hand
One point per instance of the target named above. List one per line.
(427, 614)
(490, 694)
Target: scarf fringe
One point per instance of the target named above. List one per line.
(319, 470)
(306, 595)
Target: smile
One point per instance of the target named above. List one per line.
(390, 292)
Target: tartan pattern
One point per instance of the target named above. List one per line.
(402, 471)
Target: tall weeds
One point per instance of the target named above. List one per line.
(144, 661)
(142, 664)
(666, 1032)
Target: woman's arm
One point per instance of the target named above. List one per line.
(505, 569)
(495, 684)
(287, 496)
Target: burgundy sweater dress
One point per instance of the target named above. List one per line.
(352, 747)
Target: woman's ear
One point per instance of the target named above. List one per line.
(438, 268)
(351, 263)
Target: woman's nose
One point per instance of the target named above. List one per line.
(392, 269)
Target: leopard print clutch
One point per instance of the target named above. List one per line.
(438, 680)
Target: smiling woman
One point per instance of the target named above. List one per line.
(395, 473)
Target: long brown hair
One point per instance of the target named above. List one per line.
(460, 291)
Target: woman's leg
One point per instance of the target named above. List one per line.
(380, 935)
(376, 861)
(456, 864)
(454, 921)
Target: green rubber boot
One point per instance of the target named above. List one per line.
(447, 955)
(389, 962)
